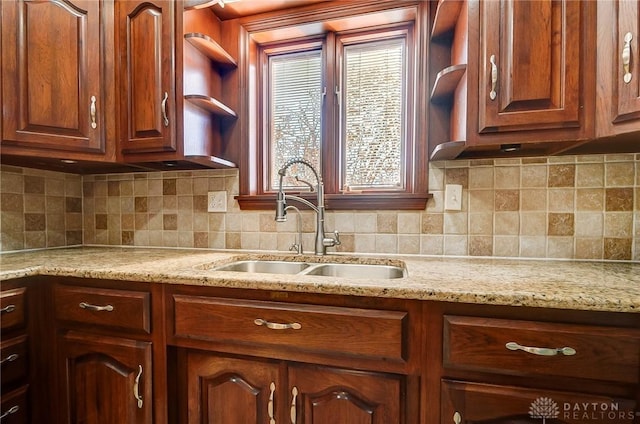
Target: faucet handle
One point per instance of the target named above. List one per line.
(329, 242)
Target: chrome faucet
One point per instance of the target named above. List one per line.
(322, 241)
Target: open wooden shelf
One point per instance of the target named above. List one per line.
(211, 49)
(210, 104)
(446, 17)
(446, 82)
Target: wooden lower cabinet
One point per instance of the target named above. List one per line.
(474, 403)
(221, 389)
(105, 379)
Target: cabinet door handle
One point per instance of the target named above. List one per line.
(165, 118)
(542, 351)
(626, 57)
(92, 111)
(9, 358)
(8, 308)
(272, 389)
(136, 387)
(294, 392)
(12, 410)
(85, 305)
(277, 325)
(457, 418)
(494, 77)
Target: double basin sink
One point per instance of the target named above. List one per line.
(326, 269)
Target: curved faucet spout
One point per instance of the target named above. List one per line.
(322, 242)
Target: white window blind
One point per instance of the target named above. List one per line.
(295, 102)
(373, 115)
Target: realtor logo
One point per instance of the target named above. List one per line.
(544, 408)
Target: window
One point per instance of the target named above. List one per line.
(346, 100)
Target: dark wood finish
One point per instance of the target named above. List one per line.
(45, 114)
(16, 405)
(145, 42)
(131, 309)
(221, 390)
(327, 396)
(493, 381)
(98, 375)
(14, 357)
(12, 303)
(474, 343)
(618, 103)
(545, 87)
(364, 332)
(485, 403)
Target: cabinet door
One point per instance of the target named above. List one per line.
(146, 80)
(627, 62)
(530, 65)
(470, 403)
(106, 380)
(328, 396)
(51, 73)
(223, 390)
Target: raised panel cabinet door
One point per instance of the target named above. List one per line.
(530, 65)
(146, 80)
(222, 390)
(319, 395)
(475, 403)
(51, 75)
(105, 380)
(626, 61)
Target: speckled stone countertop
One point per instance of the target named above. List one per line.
(579, 285)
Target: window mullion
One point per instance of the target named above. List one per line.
(330, 150)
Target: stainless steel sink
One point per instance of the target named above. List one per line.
(356, 271)
(330, 269)
(269, 267)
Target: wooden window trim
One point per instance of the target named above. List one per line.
(312, 21)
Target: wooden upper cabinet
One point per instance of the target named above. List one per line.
(53, 69)
(529, 65)
(145, 32)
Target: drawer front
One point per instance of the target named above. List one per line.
(117, 309)
(12, 307)
(503, 346)
(13, 360)
(466, 402)
(351, 331)
(14, 407)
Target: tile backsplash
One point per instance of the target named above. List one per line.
(583, 207)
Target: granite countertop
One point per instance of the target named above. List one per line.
(578, 285)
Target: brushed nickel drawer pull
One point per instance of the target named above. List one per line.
(626, 57)
(92, 110)
(542, 351)
(277, 325)
(9, 358)
(8, 308)
(136, 387)
(165, 118)
(294, 392)
(494, 77)
(12, 410)
(272, 389)
(85, 305)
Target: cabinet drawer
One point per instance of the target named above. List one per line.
(480, 344)
(13, 360)
(119, 309)
(14, 406)
(12, 304)
(326, 329)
